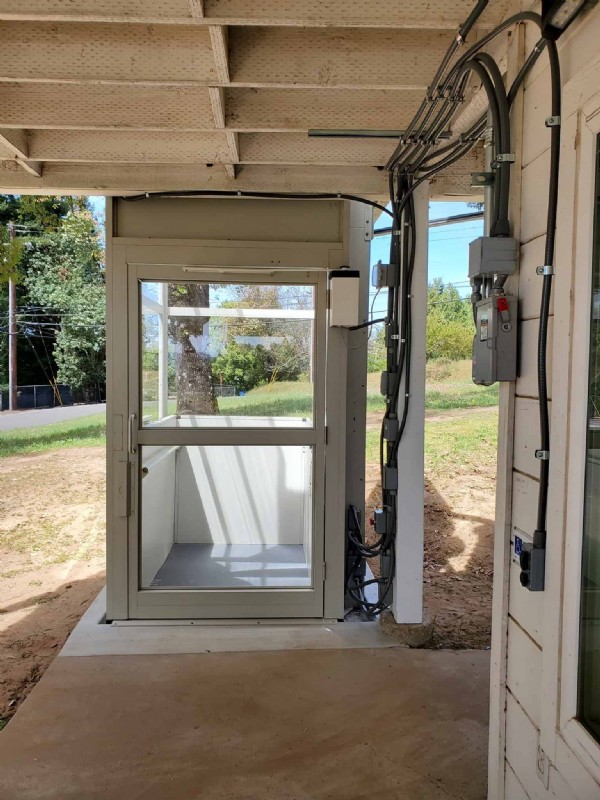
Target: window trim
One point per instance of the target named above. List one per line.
(575, 735)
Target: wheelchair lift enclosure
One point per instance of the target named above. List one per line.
(227, 403)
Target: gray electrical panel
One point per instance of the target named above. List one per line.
(493, 255)
(495, 341)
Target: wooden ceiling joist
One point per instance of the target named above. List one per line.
(441, 15)
(185, 56)
(121, 96)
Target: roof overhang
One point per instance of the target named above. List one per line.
(118, 96)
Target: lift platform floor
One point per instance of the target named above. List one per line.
(288, 725)
(230, 565)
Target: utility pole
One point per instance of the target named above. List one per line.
(12, 333)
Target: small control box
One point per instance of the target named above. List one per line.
(344, 292)
(492, 255)
(495, 340)
(383, 275)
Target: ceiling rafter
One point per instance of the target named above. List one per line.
(196, 9)
(16, 142)
(418, 14)
(118, 95)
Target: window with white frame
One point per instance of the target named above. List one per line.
(589, 641)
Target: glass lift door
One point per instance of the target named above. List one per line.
(226, 443)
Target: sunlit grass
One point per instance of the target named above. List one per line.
(454, 443)
(83, 432)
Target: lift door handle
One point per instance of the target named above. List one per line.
(132, 434)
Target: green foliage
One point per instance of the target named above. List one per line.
(449, 323)
(287, 360)
(241, 365)
(66, 276)
(376, 351)
(447, 339)
(10, 258)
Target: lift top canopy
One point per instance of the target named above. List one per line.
(112, 96)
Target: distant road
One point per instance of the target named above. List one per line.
(11, 420)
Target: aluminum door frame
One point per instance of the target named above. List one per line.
(227, 603)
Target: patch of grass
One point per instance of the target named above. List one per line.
(454, 443)
(85, 432)
(285, 399)
(448, 385)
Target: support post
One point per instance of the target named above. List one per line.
(163, 352)
(12, 334)
(408, 583)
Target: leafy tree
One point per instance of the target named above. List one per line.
(449, 322)
(241, 365)
(34, 219)
(447, 338)
(286, 343)
(65, 275)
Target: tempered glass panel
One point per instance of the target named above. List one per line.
(235, 517)
(226, 355)
(589, 645)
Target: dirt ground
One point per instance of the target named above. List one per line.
(51, 559)
(458, 563)
(52, 533)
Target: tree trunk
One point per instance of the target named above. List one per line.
(193, 378)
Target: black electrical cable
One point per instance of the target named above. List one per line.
(502, 225)
(539, 539)
(266, 195)
(412, 163)
(367, 324)
(448, 85)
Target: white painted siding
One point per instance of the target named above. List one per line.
(531, 678)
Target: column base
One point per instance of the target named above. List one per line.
(417, 634)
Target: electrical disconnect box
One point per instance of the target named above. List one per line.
(344, 291)
(495, 340)
(491, 260)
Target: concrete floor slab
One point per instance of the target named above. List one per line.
(287, 725)
(92, 637)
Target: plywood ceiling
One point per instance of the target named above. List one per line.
(111, 96)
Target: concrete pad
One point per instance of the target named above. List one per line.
(92, 637)
(299, 725)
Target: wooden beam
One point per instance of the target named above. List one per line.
(219, 40)
(196, 9)
(141, 147)
(439, 15)
(217, 103)
(68, 106)
(106, 53)
(61, 178)
(233, 143)
(234, 154)
(301, 109)
(342, 58)
(164, 55)
(15, 141)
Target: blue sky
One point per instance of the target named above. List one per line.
(448, 249)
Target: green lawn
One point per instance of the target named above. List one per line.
(85, 432)
(449, 386)
(453, 443)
